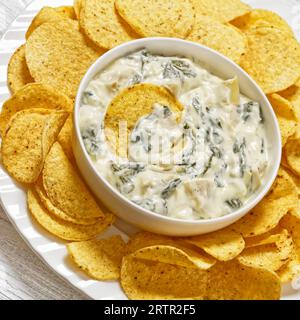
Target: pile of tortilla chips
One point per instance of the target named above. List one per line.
(252, 258)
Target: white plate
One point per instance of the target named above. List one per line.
(13, 197)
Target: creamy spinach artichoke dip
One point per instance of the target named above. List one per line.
(205, 165)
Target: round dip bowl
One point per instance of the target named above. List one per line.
(145, 219)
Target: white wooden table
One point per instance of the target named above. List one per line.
(22, 275)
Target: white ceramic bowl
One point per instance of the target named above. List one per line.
(136, 215)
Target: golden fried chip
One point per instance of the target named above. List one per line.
(190, 257)
(224, 38)
(134, 102)
(150, 280)
(272, 58)
(292, 153)
(270, 237)
(266, 215)
(65, 138)
(65, 188)
(173, 255)
(18, 74)
(77, 8)
(67, 12)
(270, 256)
(45, 201)
(223, 245)
(144, 279)
(100, 259)
(158, 18)
(31, 96)
(223, 11)
(28, 139)
(286, 116)
(262, 18)
(48, 14)
(102, 24)
(292, 268)
(296, 180)
(58, 54)
(292, 94)
(62, 229)
(234, 281)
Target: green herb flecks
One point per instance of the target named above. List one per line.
(167, 192)
(234, 203)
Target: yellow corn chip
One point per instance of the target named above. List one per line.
(270, 256)
(224, 38)
(48, 14)
(62, 229)
(266, 215)
(45, 201)
(102, 24)
(65, 138)
(158, 18)
(33, 96)
(58, 54)
(223, 245)
(262, 18)
(100, 259)
(27, 141)
(145, 279)
(224, 11)
(292, 268)
(286, 116)
(65, 188)
(272, 58)
(189, 256)
(18, 74)
(134, 102)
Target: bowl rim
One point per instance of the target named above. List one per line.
(277, 144)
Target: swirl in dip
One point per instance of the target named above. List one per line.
(205, 165)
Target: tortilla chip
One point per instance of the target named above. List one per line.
(223, 245)
(262, 18)
(272, 58)
(27, 141)
(102, 24)
(292, 268)
(292, 153)
(234, 281)
(62, 229)
(77, 8)
(59, 55)
(18, 74)
(67, 12)
(65, 188)
(282, 198)
(292, 94)
(99, 259)
(286, 116)
(134, 102)
(65, 138)
(223, 38)
(172, 255)
(187, 256)
(270, 256)
(48, 14)
(171, 19)
(149, 280)
(296, 180)
(31, 96)
(270, 237)
(45, 201)
(223, 11)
